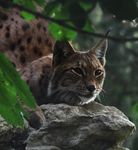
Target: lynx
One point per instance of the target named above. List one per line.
(54, 71)
(69, 76)
(77, 77)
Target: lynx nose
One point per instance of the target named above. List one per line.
(90, 87)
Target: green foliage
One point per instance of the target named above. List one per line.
(27, 16)
(77, 17)
(76, 13)
(14, 93)
(60, 32)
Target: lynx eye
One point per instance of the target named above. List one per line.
(77, 71)
(98, 72)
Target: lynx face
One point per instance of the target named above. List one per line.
(77, 77)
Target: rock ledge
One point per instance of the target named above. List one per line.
(91, 127)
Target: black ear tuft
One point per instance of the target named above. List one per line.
(101, 49)
(62, 50)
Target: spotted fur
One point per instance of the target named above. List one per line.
(23, 41)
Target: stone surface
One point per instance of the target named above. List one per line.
(11, 138)
(6, 133)
(91, 127)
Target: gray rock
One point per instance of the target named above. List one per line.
(11, 138)
(89, 127)
(43, 148)
(5, 130)
(6, 133)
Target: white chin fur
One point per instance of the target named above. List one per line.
(85, 100)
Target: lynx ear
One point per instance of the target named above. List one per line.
(100, 50)
(62, 50)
